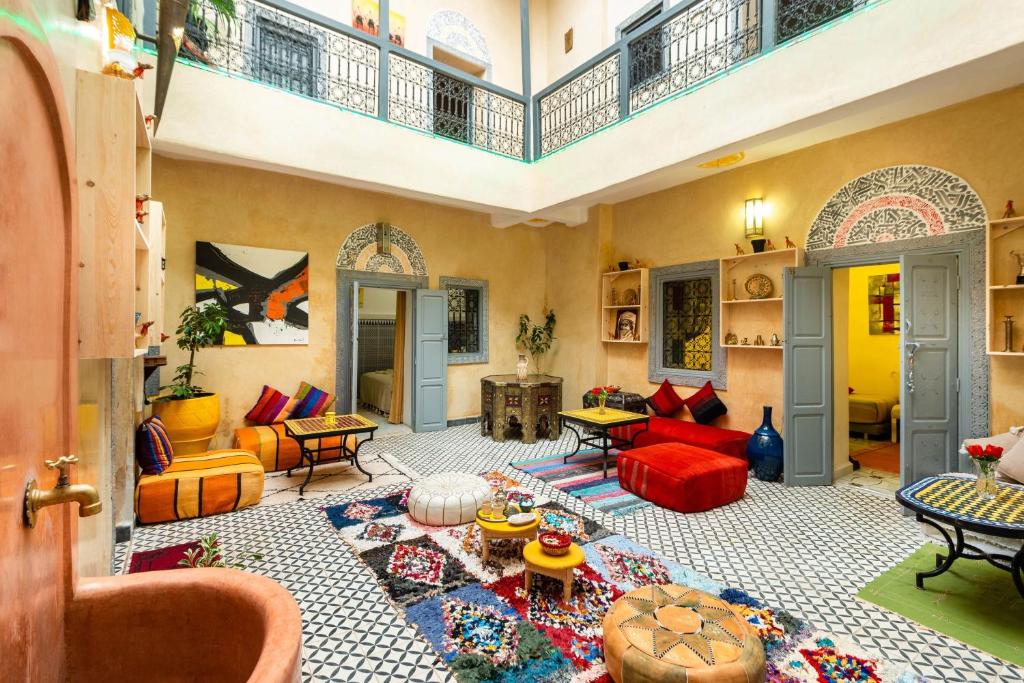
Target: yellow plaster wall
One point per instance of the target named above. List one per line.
(874, 359)
(210, 202)
(981, 140)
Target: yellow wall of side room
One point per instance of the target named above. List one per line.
(979, 140)
(211, 202)
(874, 359)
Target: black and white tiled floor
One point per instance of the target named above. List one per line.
(807, 550)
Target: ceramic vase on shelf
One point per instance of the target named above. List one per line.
(986, 483)
(522, 367)
(764, 450)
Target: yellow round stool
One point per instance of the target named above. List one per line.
(490, 531)
(556, 566)
(675, 634)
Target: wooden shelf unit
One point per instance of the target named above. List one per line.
(117, 253)
(637, 279)
(1005, 296)
(747, 317)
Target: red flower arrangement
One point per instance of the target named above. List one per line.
(987, 453)
(603, 391)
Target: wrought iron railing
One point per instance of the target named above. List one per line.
(589, 102)
(796, 17)
(281, 49)
(436, 101)
(299, 51)
(698, 43)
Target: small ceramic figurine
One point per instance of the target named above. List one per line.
(758, 340)
(140, 201)
(744, 342)
(739, 250)
(1019, 255)
(775, 340)
(789, 243)
(768, 246)
(1009, 212)
(730, 339)
(140, 69)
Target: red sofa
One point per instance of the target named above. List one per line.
(670, 430)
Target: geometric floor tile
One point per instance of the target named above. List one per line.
(805, 550)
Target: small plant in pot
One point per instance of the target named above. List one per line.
(190, 413)
(536, 339)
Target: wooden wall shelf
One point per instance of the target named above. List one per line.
(614, 286)
(743, 315)
(1005, 296)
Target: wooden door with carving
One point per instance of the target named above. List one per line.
(37, 345)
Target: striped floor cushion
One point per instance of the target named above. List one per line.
(199, 485)
(278, 452)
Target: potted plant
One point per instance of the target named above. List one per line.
(536, 339)
(190, 413)
(199, 29)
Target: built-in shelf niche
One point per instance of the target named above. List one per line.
(742, 314)
(1005, 296)
(624, 290)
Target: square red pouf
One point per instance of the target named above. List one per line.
(682, 478)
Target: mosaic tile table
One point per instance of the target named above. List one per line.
(318, 428)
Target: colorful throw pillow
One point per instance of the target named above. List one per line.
(310, 402)
(272, 407)
(153, 449)
(705, 406)
(665, 402)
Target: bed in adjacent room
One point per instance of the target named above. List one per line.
(375, 390)
(870, 413)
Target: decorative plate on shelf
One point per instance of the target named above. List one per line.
(630, 297)
(759, 286)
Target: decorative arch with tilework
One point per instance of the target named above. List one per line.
(381, 248)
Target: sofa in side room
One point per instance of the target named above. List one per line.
(665, 427)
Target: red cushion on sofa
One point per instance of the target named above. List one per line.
(665, 401)
(682, 478)
(669, 430)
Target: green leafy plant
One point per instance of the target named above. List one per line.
(223, 8)
(536, 339)
(199, 328)
(210, 554)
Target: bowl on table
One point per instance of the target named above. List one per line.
(554, 543)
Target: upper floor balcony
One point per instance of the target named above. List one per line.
(526, 79)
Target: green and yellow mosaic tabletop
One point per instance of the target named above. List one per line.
(956, 499)
(327, 424)
(610, 416)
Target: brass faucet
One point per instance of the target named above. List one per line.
(86, 496)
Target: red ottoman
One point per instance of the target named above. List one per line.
(682, 478)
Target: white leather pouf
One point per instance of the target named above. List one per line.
(448, 498)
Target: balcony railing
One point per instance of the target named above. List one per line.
(297, 50)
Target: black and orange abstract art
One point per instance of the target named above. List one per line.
(265, 291)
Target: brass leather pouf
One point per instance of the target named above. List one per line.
(675, 634)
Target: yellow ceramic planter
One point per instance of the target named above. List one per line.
(191, 423)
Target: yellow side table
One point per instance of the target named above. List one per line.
(490, 531)
(556, 566)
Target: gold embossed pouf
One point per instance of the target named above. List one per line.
(675, 634)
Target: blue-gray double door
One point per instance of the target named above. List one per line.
(929, 393)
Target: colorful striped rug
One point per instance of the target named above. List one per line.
(582, 478)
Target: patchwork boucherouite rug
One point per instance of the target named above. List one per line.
(583, 477)
(484, 626)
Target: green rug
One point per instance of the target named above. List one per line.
(973, 602)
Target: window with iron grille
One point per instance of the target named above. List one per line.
(647, 52)
(286, 58)
(684, 327)
(467, 320)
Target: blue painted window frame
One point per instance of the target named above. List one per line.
(656, 371)
(483, 355)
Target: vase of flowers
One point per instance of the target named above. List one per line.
(601, 396)
(985, 459)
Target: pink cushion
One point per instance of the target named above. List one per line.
(682, 478)
(669, 430)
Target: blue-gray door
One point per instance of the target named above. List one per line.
(807, 376)
(930, 396)
(354, 332)
(431, 369)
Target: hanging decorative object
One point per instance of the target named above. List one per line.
(764, 450)
(759, 286)
(884, 304)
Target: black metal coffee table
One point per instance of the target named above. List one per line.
(954, 501)
(599, 425)
(316, 429)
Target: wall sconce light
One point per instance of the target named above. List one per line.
(754, 223)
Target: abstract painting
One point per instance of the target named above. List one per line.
(884, 304)
(266, 292)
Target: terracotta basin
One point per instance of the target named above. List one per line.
(205, 624)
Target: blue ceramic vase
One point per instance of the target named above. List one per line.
(764, 450)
